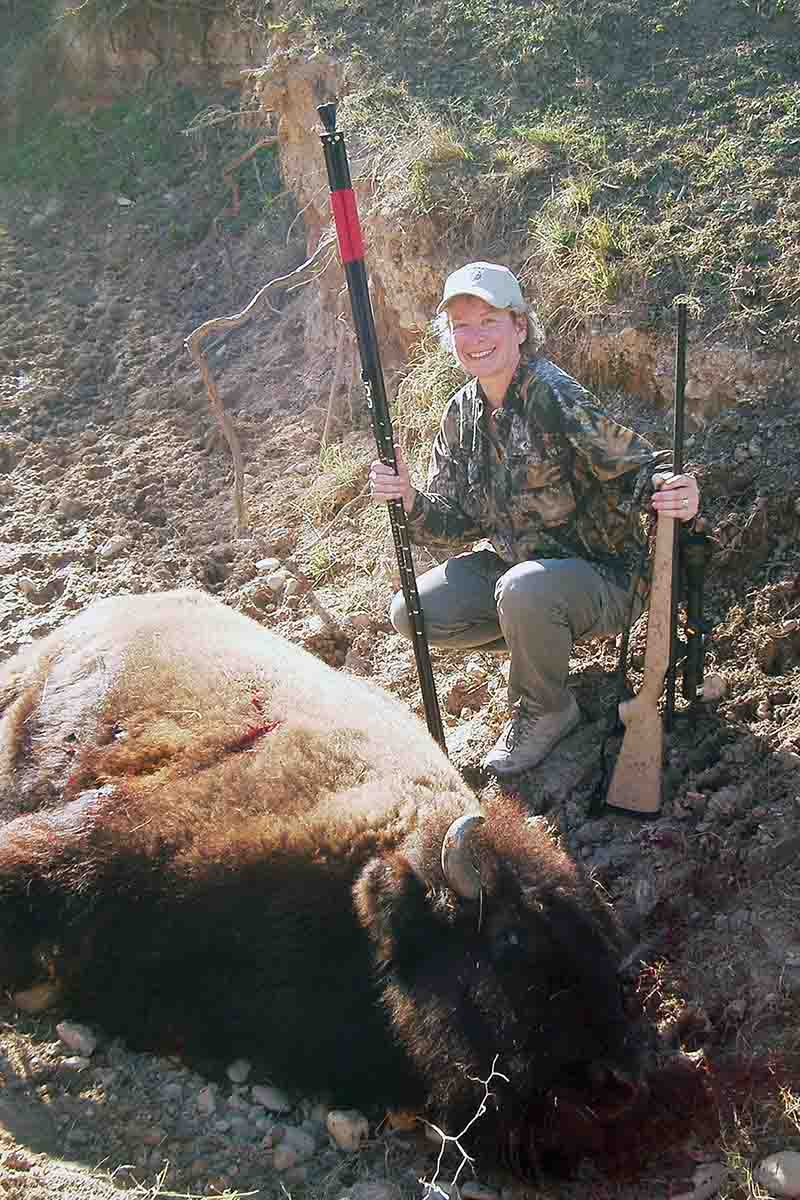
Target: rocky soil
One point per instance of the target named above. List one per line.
(113, 477)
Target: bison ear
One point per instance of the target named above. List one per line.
(392, 905)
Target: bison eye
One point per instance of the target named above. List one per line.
(507, 946)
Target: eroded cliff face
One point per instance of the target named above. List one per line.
(405, 270)
(76, 61)
(642, 363)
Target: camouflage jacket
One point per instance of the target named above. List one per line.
(548, 475)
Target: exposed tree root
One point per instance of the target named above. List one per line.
(218, 324)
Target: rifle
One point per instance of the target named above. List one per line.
(636, 782)
(678, 424)
(351, 250)
(691, 556)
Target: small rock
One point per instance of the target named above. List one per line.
(373, 1189)
(77, 1037)
(271, 1098)
(790, 975)
(239, 1070)
(37, 593)
(614, 858)
(319, 1112)
(780, 1173)
(357, 663)
(116, 545)
(295, 1176)
(18, 1160)
(301, 1142)
(38, 998)
(707, 1179)
(470, 692)
(284, 1157)
(472, 1190)
(69, 508)
(276, 582)
(11, 450)
(592, 832)
(348, 1128)
(268, 565)
(75, 1062)
(124, 202)
(361, 620)
(153, 1136)
(734, 1012)
(207, 1101)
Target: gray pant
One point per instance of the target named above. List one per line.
(536, 609)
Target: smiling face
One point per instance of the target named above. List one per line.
(487, 342)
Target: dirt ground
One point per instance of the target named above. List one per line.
(114, 478)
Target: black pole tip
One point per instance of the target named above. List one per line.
(327, 114)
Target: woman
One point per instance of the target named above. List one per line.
(527, 459)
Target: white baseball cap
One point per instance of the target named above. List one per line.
(488, 281)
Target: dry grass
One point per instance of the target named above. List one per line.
(431, 379)
(342, 479)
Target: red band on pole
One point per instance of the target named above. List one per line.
(348, 229)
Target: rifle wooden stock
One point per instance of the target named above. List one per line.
(636, 783)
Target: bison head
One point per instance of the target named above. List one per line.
(493, 945)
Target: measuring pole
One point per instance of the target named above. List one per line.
(351, 250)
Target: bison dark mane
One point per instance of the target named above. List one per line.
(216, 842)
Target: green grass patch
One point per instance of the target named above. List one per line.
(617, 152)
(121, 148)
(142, 147)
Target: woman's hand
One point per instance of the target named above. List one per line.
(387, 484)
(678, 497)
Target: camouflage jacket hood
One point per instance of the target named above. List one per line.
(548, 475)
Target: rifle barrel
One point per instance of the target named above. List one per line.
(678, 425)
(351, 249)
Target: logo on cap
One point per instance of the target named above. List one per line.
(476, 275)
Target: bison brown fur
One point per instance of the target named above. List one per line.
(215, 842)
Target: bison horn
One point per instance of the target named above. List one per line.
(457, 865)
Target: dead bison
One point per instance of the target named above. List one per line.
(227, 847)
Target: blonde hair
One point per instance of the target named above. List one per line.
(534, 336)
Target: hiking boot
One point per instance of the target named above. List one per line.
(529, 737)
